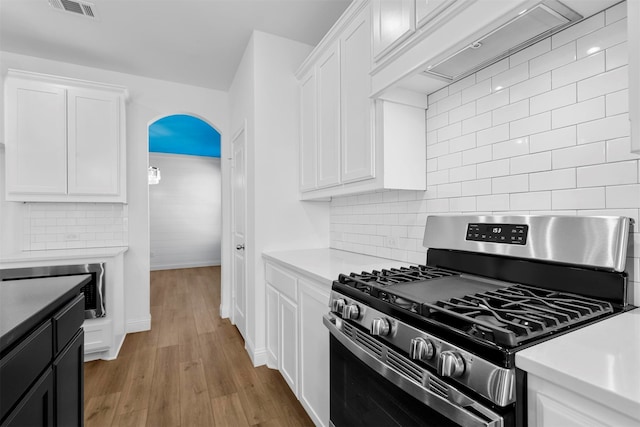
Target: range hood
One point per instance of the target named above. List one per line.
(528, 27)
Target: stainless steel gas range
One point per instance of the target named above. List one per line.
(435, 344)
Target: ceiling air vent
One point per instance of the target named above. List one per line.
(77, 7)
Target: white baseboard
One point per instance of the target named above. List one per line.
(258, 356)
(214, 263)
(224, 311)
(138, 325)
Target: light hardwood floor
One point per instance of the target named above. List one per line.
(191, 369)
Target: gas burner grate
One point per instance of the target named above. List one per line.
(515, 314)
(374, 281)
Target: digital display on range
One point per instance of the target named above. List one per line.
(511, 234)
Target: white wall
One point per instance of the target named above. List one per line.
(554, 140)
(149, 99)
(265, 92)
(185, 211)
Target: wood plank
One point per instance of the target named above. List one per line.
(195, 404)
(135, 394)
(227, 411)
(100, 410)
(164, 399)
(131, 419)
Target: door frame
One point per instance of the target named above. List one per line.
(232, 249)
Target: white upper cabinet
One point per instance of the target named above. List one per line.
(65, 140)
(427, 10)
(633, 26)
(344, 130)
(393, 22)
(328, 79)
(357, 108)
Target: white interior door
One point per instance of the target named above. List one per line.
(238, 197)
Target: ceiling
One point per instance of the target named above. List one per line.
(196, 42)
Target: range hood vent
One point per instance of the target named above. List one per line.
(528, 27)
(77, 7)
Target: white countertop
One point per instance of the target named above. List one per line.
(600, 362)
(325, 265)
(7, 260)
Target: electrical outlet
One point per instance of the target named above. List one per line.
(391, 242)
(71, 236)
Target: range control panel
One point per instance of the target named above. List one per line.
(512, 234)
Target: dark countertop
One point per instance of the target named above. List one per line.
(24, 304)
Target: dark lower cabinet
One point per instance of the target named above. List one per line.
(69, 379)
(36, 408)
(42, 376)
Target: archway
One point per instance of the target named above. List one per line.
(185, 207)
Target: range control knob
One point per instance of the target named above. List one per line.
(351, 311)
(450, 364)
(421, 349)
(380, 327)
(337, 305)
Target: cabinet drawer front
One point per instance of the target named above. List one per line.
(67, 322)
(282, 281)
(20, 368)
(36, 409)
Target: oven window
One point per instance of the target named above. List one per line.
(361, 397)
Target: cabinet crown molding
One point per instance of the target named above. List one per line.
(66, 81)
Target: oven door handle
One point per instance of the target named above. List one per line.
(457, 407)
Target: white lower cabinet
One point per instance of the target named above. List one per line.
(550, 405)
(297, 340)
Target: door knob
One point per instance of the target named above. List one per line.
(240, 247)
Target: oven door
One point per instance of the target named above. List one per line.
(371, 384)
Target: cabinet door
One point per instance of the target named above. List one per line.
(36, 408)
(289, 342)
(68, 369)
(94, 142)
(393, 21)
(328, 79)
(272, 326)
(36, 145)
(314, 352)
(308, 154)
(426, 10)
(357, 108)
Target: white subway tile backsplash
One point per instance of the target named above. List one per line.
(437, 150)
(476, 155)
(616, 13)
(553, 180)
(603, 38)
(510, 77)
(617, 102)
(553, 139)
(493, 203)
(434, 97)
(530, 125)
(578, 30)
(512, 148)
(530, 200)
(602, 84)
(450, 161)
(462, 84)
(438, 177)
(578, 70)
(450, 190)
(604, 129)
(581, 198)
(495, 168)
(450, 131)
(608, 174)
(557, 98)
(463, 112)
(531, 163)
(477, 187)
(462, 204)
(464, 173)
(474, 124)
(511, 112)
(450, 102)
(617, 56)
(465, 142)
(492, 70)
(618, 150)
(578, 113)
(510, 184)
(530, 87)
(493, 101)
(542, 47)
(553, 59)
(492, 135)
(436, 122)
(581, 155)
(623, 196)
(480, 89)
